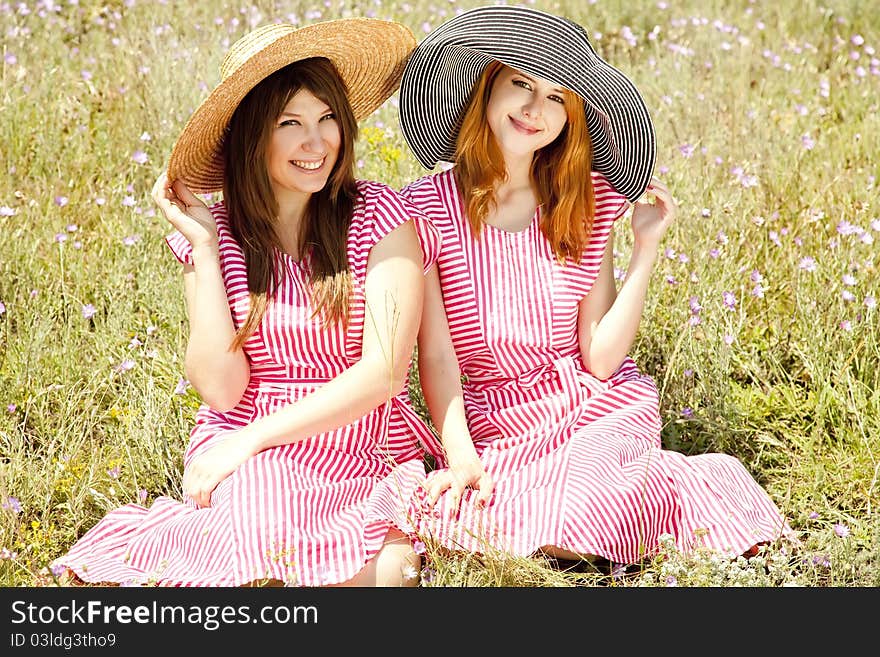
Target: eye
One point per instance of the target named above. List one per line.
(328, 117)
(522, 83)
(287, 122)
(557, 99)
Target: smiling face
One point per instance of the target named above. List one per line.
(303, 147)
(525, 113)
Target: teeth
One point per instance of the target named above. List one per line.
(308, 165)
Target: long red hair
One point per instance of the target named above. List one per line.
(560, 171)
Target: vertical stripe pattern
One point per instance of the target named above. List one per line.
(577, 462)
(310, 513)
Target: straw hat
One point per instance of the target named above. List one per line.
(442, 71)
(369, 54)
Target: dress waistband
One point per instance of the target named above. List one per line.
(563, 368)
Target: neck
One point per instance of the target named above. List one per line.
(519, 170)
(291, 210)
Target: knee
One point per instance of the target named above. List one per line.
(397, 563)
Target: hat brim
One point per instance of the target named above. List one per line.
(370, 55)
(442, 70)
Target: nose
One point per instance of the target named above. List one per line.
(534, 108)
(313, 141)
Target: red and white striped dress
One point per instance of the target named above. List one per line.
(577, 461)
(310, 513)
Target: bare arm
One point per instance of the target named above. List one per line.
(219, 375)
(394, 290)
(608, 322)
(440, 378)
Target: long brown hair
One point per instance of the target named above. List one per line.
(560, 171)
(253, 209)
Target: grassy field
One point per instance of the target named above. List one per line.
(761, 327)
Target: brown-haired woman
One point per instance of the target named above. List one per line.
(303, 289)
(550, 434)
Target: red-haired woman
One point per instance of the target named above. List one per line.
(550, 434)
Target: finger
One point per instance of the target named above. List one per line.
(486, 487)
(456, 491)
(159, 186)
(185, 195)
(436, 487)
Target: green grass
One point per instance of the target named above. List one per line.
(788, 382)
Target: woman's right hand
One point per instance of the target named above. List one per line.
(185, 211)
(469, 473)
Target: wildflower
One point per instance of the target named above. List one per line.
(6, 211)
(114, 472)
(807, 264)
(695, 305)
(875, 225)
(870, 301)
(671, 580)
(705, 212)
(427, 575)
(846, 228)
(135, 342)
(12, 504)
(714, 253)
(57, 570)
(418, 547)
(86, 75)
(813, 515)
(182, 385)
(686, 150)
(145, 136)
(729, 300)
(670, 253)
(61, 238)
(61, 201)
(847, 295)
(758, 291)
(729, 339)
(11, 59)
(409, 572)
(841, 530)
(807, 142)
(11, 408)
(722, 238)
(688, 373)
(849, 279)
(88, 311)
(139, 157)
(687, 412)
(125, 365)
(131, 240)
(2, 307)
(128, 201)
(142, 495)
(846, 325)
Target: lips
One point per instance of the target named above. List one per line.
(308, 165)
(522, 127)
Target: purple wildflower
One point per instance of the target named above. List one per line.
(88, 311)
(841, 530)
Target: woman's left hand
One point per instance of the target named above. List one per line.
(212, 467)
(651, 220)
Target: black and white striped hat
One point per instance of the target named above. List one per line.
(443, 68)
